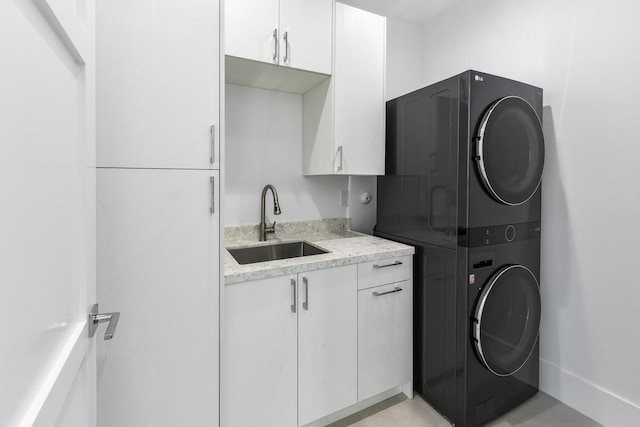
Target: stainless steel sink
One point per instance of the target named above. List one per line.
(274, 252)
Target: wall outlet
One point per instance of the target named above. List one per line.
(344, 197)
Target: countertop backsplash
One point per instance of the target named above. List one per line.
(321, 229)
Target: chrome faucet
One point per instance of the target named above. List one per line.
(264, 228)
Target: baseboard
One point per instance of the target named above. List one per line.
(600, 404)
(355, 408)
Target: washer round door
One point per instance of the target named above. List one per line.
(507, 320)
(510, 150)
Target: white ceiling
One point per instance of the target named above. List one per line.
(419, 11)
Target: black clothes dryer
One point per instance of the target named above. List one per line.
(464, 161)
(463, 153)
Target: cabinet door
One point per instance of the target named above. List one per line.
(259, 363)
(249, 27)
(307, 26)
(327, 342)
(157, 263)
(384, 338)
(158, 84)
(359, 91)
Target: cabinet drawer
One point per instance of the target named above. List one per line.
(389, 270)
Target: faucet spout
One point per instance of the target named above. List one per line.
(264, 228)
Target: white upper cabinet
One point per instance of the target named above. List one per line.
(291, 33)
(250, 29)
(306, 34)
(343, 118)
(158, 84)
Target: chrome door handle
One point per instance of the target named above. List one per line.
(95, 319)
(339, 168)
(379, 294)
(305, 304)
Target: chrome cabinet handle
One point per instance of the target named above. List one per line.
(212, 207)
(387, 265)
(286, 46)
(394, 290)
(275, 47)
(294, 295)
(95, 319)
(212, 158)
(305, 304)
(340, 154)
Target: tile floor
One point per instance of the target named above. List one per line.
(540, 411)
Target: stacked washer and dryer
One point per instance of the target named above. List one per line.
(464, 160)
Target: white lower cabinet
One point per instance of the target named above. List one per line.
(327, 342)
(300, 347)
(384, 336)
(289, 349)
(259, 354)
(385, 332)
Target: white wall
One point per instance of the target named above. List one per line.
(264, 146)
(404, 58)
(584, 55)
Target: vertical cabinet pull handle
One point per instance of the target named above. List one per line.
(212, 205)
(294, 295)
(275, 43)
(286, 46)
(212, 158)
(340, 157)
(305, 304)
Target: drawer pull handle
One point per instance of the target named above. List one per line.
(394, 290)
(387, 265)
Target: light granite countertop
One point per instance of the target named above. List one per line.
(344, 246)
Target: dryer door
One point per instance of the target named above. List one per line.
(510, 150)
(507, 320)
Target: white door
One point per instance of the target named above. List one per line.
(47, 188)
(384, 334)
(158, 262)
(327, 341)
(251, 29)
(158, 84)
(306, 30)
(360, 42)
(259, 354)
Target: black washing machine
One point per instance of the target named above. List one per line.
(464, 160)
(498, 309)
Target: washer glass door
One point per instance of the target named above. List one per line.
(507, 320)
(510, 150)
